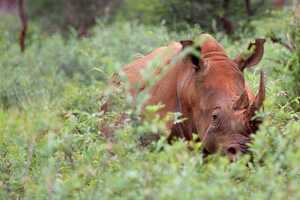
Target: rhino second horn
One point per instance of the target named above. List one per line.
(260, 97)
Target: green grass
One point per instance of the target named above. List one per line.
(51, 146)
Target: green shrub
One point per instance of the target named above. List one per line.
(178, 15)
(51, 128)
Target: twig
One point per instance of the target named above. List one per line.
(279, 41)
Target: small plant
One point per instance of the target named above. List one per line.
(52, 141)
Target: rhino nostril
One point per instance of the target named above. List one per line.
(232, 151)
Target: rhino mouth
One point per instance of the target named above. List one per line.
(231, 145)
(233, 149)
(232, 153)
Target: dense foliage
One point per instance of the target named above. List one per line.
(51, 129)
(213, 15)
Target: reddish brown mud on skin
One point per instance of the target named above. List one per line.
(209, 90)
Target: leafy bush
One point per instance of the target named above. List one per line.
(287, 35)
(51, 138)
(55, 15)
(230, 15)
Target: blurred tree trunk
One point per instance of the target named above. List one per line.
(297, 10)
(82, 14)
(226, 23)
(278, 3)
(17, 7)
(248, 7)
(23, 18)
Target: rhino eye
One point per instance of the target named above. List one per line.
(215, 113)
(214, 116)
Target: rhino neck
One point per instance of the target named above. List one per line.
(170, 91)
(185, 75)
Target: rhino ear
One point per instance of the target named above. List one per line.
(252, 56)
(194, 55)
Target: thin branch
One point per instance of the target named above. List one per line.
(279, 41)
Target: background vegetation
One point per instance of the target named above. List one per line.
(52, 141)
